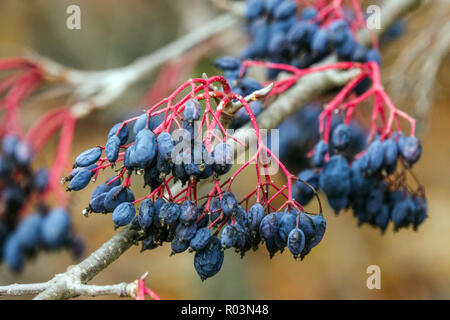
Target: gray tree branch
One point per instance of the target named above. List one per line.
(98, 89)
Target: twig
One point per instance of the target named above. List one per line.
(412, 77)
(229, 110)
(23, 289)
(67, 285)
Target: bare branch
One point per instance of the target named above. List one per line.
(62, 285)
(23, 289)
(122, 290)
(98, 89)
(230, 109)
(412, 77)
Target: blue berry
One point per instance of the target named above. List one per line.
(341, 137)
(228, 237)
(123, 133)
(346, 48)
(240, 216)
(146, 213)
(319, 154)
(420, 211)
(179, 246)
(375, 199)
(382, 218)
(229, 203)
(320, 227)
(116, 196)
(298, 35)
(208, 261)
(129, 159)
(375, 157)
(390, 151)
(123, 214)
(286, 223)
(192, 110)
(40, 179)
(144, 148)
(80, 180)
(23, 153)
(269, 226)
(335, 177)
(12, 255)
(105, 187)
(319, 42)
(165, 145)
(200, 240)
(28, 231)
(228, 63)
(112, 148)
(303, 193)
(249, 85)
(285, 10)
(148, 243)
(338, 31)
(97, 203)
(185, 232)
(296, 242)
(373, 55)
(55, 228)
(88, 157)
(338, 202)
(169, 213)
(253, 9)
(255, 216)
(142, 123)
(400, 213)
(271, 247)
(410, 148)
(278, 45)
(157, 209)
(309, 13)
(359, 53)
(360, 184)
(9, 143)
(271, 5)
(188, 212)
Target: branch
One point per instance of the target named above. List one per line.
(98, 89)
(412, 77)
(72, 283)
(65, 285)
(230, 109)
(23, 289)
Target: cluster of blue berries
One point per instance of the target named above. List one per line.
(299, 133)
(281, 34)
(207, 229)
(224, 225)
(154, 156)
(371, 184)
(22, 236)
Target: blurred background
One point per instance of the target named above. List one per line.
(414, 265)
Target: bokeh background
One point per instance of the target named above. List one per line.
(414, 265)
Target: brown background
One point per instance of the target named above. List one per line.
(414, 265)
